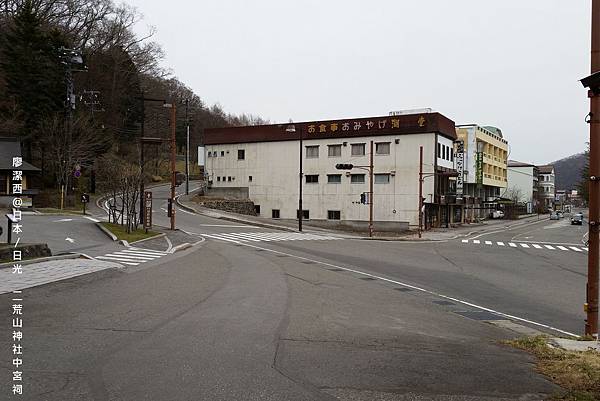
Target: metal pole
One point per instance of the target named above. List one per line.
(142, 161)
(371, 192)
(173, 145)
(300, 189)
(187, 149)
(420, 202)
(591, 325)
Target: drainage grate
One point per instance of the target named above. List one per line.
(403, 289)
(367, 278)
(480, 315)
(443, 302)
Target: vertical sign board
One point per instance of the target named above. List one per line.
(479, 169)
(459, 159)
(147, 209)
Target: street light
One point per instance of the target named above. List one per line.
(292, 129)
(173, 145)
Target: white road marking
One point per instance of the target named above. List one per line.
(550, 247)
(524, 245)
(488, 242)
(512, 245)
(269, 236)
(185, 211)
(130, 263)
(585, 249)
(500, 243)
(465, 241)
(71, 240)
(222, 225)
(476, 241)
(536, 246)
(575, 249)
(562, 248)
(437, 294)
(152, 254)
(92, 219)
(62, 220)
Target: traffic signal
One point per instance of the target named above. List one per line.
(344, 166)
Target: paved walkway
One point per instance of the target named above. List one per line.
(47, 272)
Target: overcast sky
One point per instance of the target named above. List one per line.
(514, 64)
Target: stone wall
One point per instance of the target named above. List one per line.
(28, 251)
(228, 205)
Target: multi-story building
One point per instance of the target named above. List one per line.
(546, 186)
(262, 163)
(485, 168)
(523, 185)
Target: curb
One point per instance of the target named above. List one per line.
(147, 239)
(106, 231)
(180, 247)
(45, 259)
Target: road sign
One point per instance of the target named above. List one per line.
(147, 209)
(77, 173)
(85, 198)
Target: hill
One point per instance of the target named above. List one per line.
(568, 171)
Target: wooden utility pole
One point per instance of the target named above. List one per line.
(591, 325)
(371, 192)
(173, 173)
(420, 214)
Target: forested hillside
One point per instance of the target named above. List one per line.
(568, 171)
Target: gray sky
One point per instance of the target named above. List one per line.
(514, 64)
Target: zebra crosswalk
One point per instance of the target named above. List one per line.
(132, 256)
(524, 245)
(268, 236)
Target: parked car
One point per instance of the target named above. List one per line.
(560, 214)
(554, 216)
(497, 214)
(577, 219)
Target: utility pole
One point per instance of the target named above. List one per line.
(591, 307)
(142, 161)
(371, 192)
(420, 190)
(173, 173)
(300, 189)
(187, 148)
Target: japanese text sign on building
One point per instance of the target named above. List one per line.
(479, 169)
(363, 125)
(459, 160)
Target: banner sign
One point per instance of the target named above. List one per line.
(459, 161)
(479, 169)
(147, 209)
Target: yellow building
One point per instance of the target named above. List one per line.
(485, 155)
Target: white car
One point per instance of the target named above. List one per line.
(497, 214)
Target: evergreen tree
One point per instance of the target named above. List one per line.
(583, 185)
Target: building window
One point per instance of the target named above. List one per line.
(305, 214)
(312, 179)
(357, 178)
(219, 179)
(382, 148)
(333, 214)
(222, 153)
(334, 178)
(257, 209)
(209, 154)
(274, 213)
(229, 179)
(334, 150)
(439, 150)
(451, 155)
(358, 149)
(241, 154)
(382, 178)
(249, 178)
(312, 152)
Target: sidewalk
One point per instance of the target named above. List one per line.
(438, 234)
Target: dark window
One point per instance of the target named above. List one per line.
(312, 152)
(209, 154)
(333, 214)
(222, 153)
(334, 178)
(382, 178)
(357, 179)
(305, 214)
(250, 178)
(257, 209)
(358, 149)
(312, 179)
(229, 179)
(334, 150)
(382, 148)
(452, 155)
(439, 150)
(275, 213)
(241, 154)
(218, 179)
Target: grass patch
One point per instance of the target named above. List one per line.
(122, 234)
(578, 373)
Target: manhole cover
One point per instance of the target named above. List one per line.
(480, 315)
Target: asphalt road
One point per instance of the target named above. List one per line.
(256, 314)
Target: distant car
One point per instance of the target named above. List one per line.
(497, 214)
(554, 216)
(577, 219)
(560, 214)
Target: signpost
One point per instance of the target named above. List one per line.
(147, 210)
(85, 198)
(459, 159)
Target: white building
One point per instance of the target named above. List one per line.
(262, 163)
(546, 185)
(523, 184)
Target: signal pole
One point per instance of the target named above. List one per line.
(187, 148)
(371, 192)
(591, 307)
